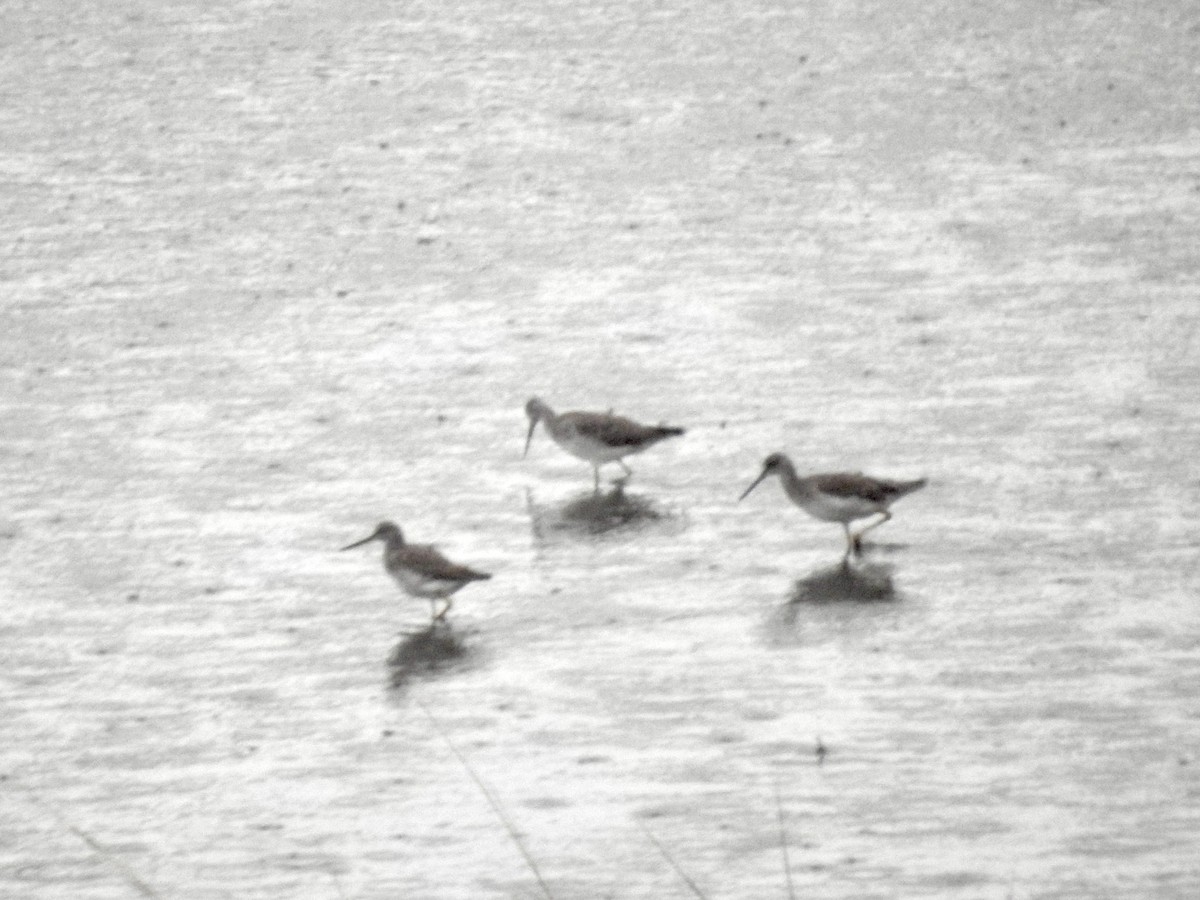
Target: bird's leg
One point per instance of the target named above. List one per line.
(858, 537)
(852, 545)
(441, 617)
(595, 478)
(432, 610)
(623, 480)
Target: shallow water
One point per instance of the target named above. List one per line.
(274, 275)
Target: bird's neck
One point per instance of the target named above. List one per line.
(558, 426)
(793, 484)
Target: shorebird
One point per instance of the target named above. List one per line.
(837, 496)
(420, 569)
(596, 437)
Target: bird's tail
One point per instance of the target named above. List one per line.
(900, 488)
(666, 431)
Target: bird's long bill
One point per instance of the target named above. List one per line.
(529, 437)
(365, 540)
(757, 481)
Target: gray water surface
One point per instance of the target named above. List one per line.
(275, 273)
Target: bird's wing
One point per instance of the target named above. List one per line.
(853, 484)
(613, 431)
(428, 561)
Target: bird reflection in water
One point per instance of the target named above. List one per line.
(428, 653)
(592, 513)
(849, 585)
(845, 582)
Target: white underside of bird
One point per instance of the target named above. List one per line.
(424, 586)
(836, 509)
(590, 449)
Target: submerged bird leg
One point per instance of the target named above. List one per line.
(595, 478)
(628, 471)
(441, 617)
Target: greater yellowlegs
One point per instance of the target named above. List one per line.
(420, 569)
(596, 437)
(837, 496)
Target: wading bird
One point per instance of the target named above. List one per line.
(596, 437)
(838, 496)
(420, 569)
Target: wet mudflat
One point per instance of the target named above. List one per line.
(274, 274)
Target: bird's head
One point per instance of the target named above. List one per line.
(772, 465)
(388, 532)
(536, 410)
